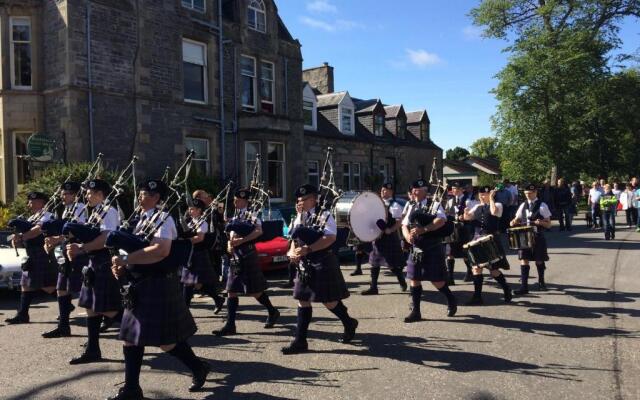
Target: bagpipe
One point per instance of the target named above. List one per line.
(213, 237)
(243, 223)
(311, 231)
(426, 214)
(142, 236)
(90, 230)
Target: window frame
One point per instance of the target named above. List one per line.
(346, 176)
(256, 11)
(17, 186)
(316, 174)
(354, 175)
(205, 72)
(273, 88)
(376, 124)
(207, 160)
(246, 107)
(249, 164)
(424, 127)
(351, 131)
(193, 7)
(12, 23)
(283, 169)
(401, 123)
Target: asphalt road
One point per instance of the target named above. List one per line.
(579, 340)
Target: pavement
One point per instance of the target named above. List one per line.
(579, 340)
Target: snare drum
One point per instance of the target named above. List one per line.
(522, 237)
(483, 251)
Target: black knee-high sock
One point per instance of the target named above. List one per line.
(451, 299)
(292, 272)
(265, 301)
(502, 281)
(210, 290)
(451, 262)
(359, 259)
(341, 312)
(132, 363)
(64, 307)
(468, 264)
(232, 309)
(477, 285)
(524, 276)
(93, 333)
(304, 319)
(399, 275)
(375, 273)
(416, 297)
(541, 268)
(184, 353)
(187, 293)
(25, 302)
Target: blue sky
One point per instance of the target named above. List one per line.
(424, 54)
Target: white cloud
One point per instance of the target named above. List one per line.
(422, 58)
(472, 32)
(337, 25)
(322, 6)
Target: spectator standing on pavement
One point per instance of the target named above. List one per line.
(547, 195)
(633, 182)
(594, 204)
(608, 205)
(627, 198)
(513, 189)
(636, 202)
(564, 202)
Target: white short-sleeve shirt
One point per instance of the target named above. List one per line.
(79, 213)
(330, 226)
(168, 228)
(46, 216)
(395, 209)
(523, 215)
(110, 221)
(439, 213)
(475, 210)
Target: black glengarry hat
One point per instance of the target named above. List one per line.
(305, 190)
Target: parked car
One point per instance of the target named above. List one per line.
(274, 243)
(10, 264)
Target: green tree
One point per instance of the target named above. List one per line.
(553, 85)
(485, 147)
(457, 153)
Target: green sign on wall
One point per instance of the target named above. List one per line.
(40, 147)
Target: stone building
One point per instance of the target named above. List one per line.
(147, 77)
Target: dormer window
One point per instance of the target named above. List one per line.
(346, 120)
(196, 5)
(378, 124)
(424, 133)
(256, 16)
(401, 127)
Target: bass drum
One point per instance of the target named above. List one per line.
(359, 213)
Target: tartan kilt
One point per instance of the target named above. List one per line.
(104, 295)
(455, 249)
(73, 282)
(159, 315)
(326, 283)
(43, 271)
(387, 251)
(539, 251)
(432, 267)
(201, 271)
(250, 279)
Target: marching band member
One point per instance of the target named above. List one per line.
(319, 279)
(245, 275)
(158, 317)
(455, 208)
(387, 250)
(38, 273)
(70, 279)
(533, 212)
(201, 275)
(426, 261)
(100, 293)
(487, 215)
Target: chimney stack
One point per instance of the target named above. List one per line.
(320, 78)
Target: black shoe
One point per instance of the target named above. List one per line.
(474, 301)
(358, 271)
(508, 295)
(200, 377)
(227, 330)
(296, 347)
(86, 358)
(521, 291)
(272, 318)
(468, 277)
(369, 292)
(451, 282)
(413, 317)
(18, 319)
(349, 331)
(106, 324)
(452, 309)
(542, 287)
(57, 333)
(403, 285)
(219, 302)
(128, 394)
